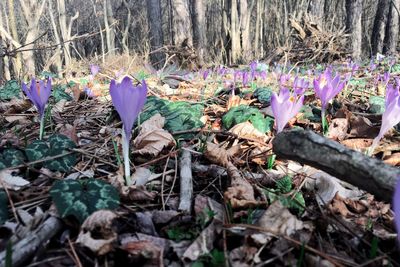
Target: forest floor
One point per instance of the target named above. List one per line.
(65, 202)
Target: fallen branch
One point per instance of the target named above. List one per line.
(369, 174)
(25, 248)
(186, 193)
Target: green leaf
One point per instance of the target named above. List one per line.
(179, 116)
(377, 104)
(284, 185)
(244, 113)
(37, 150)
(10, 90)
(59, 93)
(81, 198)
(13, 157)
(3, 207)
(60, 144)
(263, 95)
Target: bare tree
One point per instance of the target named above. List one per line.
(65, 29)
(235, 32)
(392, 28)
(32, 10)
(155, 31)
(199, 28)
(181, 23)
(354, 26)
(17, 62)
(378, 32)
(109, 27)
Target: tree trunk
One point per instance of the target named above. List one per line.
(354, 26)
(378, 32)
(199, 28)
(125, 33)
(235, 32)
(32, 11)
(182, 29)
(17, 62)
(155, 32)
(109, 21)
(65, 29)
(392, 28)
(245, 16)
(316, 8)
(57, 55)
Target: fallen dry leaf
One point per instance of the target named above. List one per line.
(338, 129)
(9, 180)
(362, 127)
(393, 159)
(144, 253)
(357, 143)
(152, 138)
(327, 187)
(97, 233)
(247, 130)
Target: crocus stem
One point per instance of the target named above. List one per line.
(41, 130)
(373, 146)
(323, 119)
(125, 152)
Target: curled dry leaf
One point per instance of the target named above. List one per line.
(132, 192)
(241, 193)
(338, 129)
(279, 221)
(247, 130)
(152, 138)
(69, 131)
(15, 106)
(327, 187)
(145, 253)
(97, 233)
(362, 127)
(11, 181)
(357, 143)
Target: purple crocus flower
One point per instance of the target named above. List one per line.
(263, 75)
(396, 207)
(205, 74)
(94, 69)
(300, 85)
(39, 94)
(327, 87)
(283, 79)
(128, 100)
(253, 68)
(245, 78)
(391, 116)
(284, 107)
(372, 65)
(236, 75)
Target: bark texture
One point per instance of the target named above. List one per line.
(369, 174)
(182, 27)
(155, 32)
(378, 32)
(199, 28)
(392, 28)
(354, 26)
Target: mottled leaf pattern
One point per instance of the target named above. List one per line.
(37, 150)
(13, 157)
(179, 116)
(82, 198)
(60, 144)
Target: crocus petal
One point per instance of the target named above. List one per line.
(94, 69)
(128, 100)
(284, 107)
